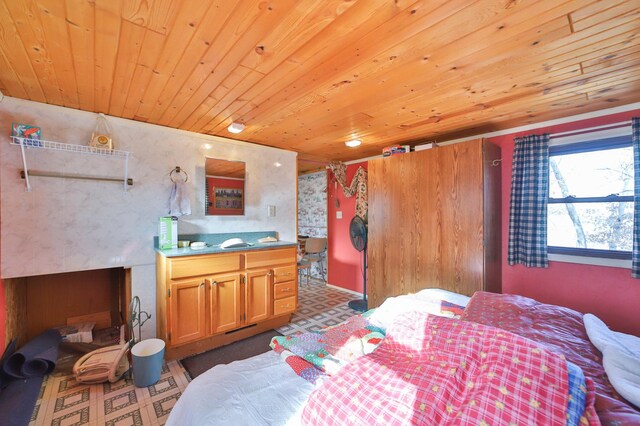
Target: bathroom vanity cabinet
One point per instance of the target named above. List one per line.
(209, 300)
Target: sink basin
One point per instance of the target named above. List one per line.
(234, 243)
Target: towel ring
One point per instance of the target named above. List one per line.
(179, 171)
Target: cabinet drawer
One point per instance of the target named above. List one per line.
(284, 273)
(283, 290)
(284, 306)
(203, 265)
(268, 258)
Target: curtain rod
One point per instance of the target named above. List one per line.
(591, 129)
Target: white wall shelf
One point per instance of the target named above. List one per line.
(26, 143)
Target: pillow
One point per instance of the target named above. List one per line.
(602, 337)
(423, 301)
(623, 370)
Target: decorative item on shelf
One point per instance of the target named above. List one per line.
(395, 149)
(101, 137)
(31, 134)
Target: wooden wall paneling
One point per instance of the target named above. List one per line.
(206, 75)
(52, 16)
(204, 39)
(492, 214)
(155, 15)
(611, 10)
(403, 26)
(227, 56)
(430, 224)
(51, 299)
(10, 80)
(218, 99)
(279, 44)
(439, 35)
(151, 47)
(402, 87)
(15, 292)
(427, 216)
(33, 38)
(191, 20)
(81, 24)
(324, 71)
(346, 30)
(107, 39)
(129, 45)
(15, 54)
(461, 204)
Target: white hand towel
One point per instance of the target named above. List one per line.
(179, 203)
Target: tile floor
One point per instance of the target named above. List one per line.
(64, 402)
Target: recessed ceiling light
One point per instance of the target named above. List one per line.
(235, 127)
(207, 146)
(277, 164)
(353, 143)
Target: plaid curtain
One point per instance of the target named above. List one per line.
(528, 205)
(635, 254)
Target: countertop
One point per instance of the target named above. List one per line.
(213, 243)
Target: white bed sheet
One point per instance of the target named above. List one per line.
(262, 390)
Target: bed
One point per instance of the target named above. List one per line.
(264, 390)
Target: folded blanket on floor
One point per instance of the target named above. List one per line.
(332, 348)
(433, 370)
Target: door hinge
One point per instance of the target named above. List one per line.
(244, 316)
(243, 280)
(169, 292)
(169, 336)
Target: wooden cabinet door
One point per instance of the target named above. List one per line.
(187, 311)
(258, 297)
(224, 302)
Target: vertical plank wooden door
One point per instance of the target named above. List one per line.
(187, 301)
(427, 213)
(224, 302)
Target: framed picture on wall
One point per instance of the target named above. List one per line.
(228, 199)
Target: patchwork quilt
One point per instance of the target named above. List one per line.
(331, 348)
(432, 370)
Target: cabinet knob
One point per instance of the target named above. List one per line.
(214, 282)
(202, 283)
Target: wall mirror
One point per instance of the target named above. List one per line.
(224, 187)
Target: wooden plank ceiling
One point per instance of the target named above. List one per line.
(307, 75)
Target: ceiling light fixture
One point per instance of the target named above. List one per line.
(235, 127)
(353, 143)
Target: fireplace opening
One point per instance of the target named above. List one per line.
(37, 303)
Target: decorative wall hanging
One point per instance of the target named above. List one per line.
(358, 186)
(101, 137)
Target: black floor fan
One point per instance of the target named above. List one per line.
(358, 234)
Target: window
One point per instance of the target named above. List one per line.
(590, 210)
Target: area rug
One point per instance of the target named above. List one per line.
(243, 349)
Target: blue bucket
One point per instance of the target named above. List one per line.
(147, 362)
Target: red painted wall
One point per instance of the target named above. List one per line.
(609, 293)
(344, 262)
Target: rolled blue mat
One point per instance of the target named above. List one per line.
(18, 400)
(36, 358)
